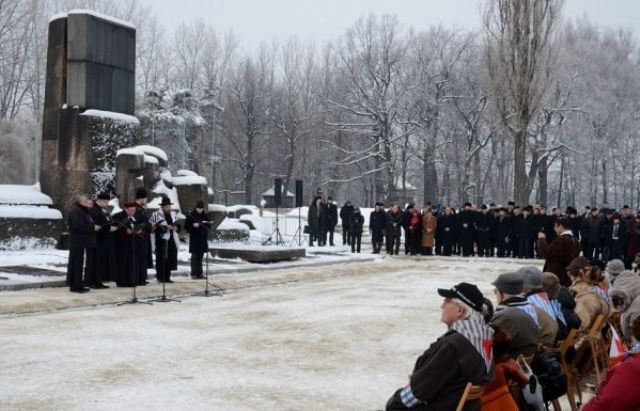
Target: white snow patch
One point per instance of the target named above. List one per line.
(111, 115)
(186, 173)
(150, 159)
(233, 224)
(154, 151)
(189, 180)
(103, 17)
(217, 207)
(270, 192)
(129, 151)
(22, 194)
(33, 212)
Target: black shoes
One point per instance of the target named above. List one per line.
(99, 286)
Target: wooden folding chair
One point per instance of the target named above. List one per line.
(471, 392)
(570, 370)
(599, 351)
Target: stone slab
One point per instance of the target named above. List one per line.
(253, 255)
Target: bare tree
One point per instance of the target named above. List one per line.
(520, 54)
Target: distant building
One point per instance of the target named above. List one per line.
(287, 200)
(403, 195)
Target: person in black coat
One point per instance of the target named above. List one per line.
(377, 225)
(332, 219)
(484, 224)
(394, 229)
(467, 230)
(82, 241)
(524, 227)
(105, 261)
(142, 219)
(317, 219)
(448, 226)
(405, 225)
(345, 217)
(355, 231)
(166, 229)
(198, 224)
(129, 248)
(503, 233)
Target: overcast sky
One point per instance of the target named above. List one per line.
(256, 20)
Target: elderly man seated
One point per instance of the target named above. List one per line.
(462, 355)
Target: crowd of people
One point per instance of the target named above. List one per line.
(120, 247)
(534, 312)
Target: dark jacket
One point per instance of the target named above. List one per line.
(520, 325)
(558, 256)
(332, 216)
(568, 306)
(356, 224)
(317, 219)
(441, 374)
(378, 220)
(82, 233)
(197, 235)
(345, 215)
(394, 223)
(524, 227)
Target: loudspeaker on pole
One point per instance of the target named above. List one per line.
(277, 192)
(299, 193)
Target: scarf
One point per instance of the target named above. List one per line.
(480, 335)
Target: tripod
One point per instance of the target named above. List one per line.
(165, 249)
(298, 237)
(217, 289)
(276, 233)
(134, 299)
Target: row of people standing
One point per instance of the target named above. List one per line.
(105, 248)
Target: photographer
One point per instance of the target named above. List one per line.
(198, 224)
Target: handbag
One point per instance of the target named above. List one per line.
(532, 392)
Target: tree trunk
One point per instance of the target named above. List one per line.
(543, 169)
(430, 175)
(521, 192)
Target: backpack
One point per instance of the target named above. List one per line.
(548, 368)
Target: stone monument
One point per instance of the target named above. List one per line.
(89, 104)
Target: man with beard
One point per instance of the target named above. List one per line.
(82, 242)
(165, 228)
(105, 261)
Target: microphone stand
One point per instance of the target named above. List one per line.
(134, 297)
(165, 252)
(218, 289)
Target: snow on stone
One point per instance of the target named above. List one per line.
(23, 194)
(150, 159)
(154, 151)
(112, 115)
(103, 17)
(163, 190)
(58, 16)
(233, 224)
(186, 173)
(33, 212)
(130, 151)
(237, 207)
(217, 207)
(189, 180)
(270, 192)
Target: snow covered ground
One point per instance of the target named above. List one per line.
(337, 337)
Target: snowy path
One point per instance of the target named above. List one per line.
(340, 337)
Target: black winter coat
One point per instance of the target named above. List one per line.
(356, 224)
(345, 215)
(441, 374)
(82, 233)
(378, 220)
(394, 223)
(317, 220)
(332, 216)
(198, 242)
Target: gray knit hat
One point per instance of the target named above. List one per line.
(532, 277)
(510, 283)
(615, 267)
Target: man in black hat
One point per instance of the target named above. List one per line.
(105, 260)
(377, 224)
(166, 232)
(142, 219)
(345, 216)
(467, 230)
(127, 246)
(82, 243)
(463, 354)
(198, 225)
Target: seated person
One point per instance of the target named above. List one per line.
(540, 300)
(497, 396)
(462, 355)
(614, 393)
(516, 315)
